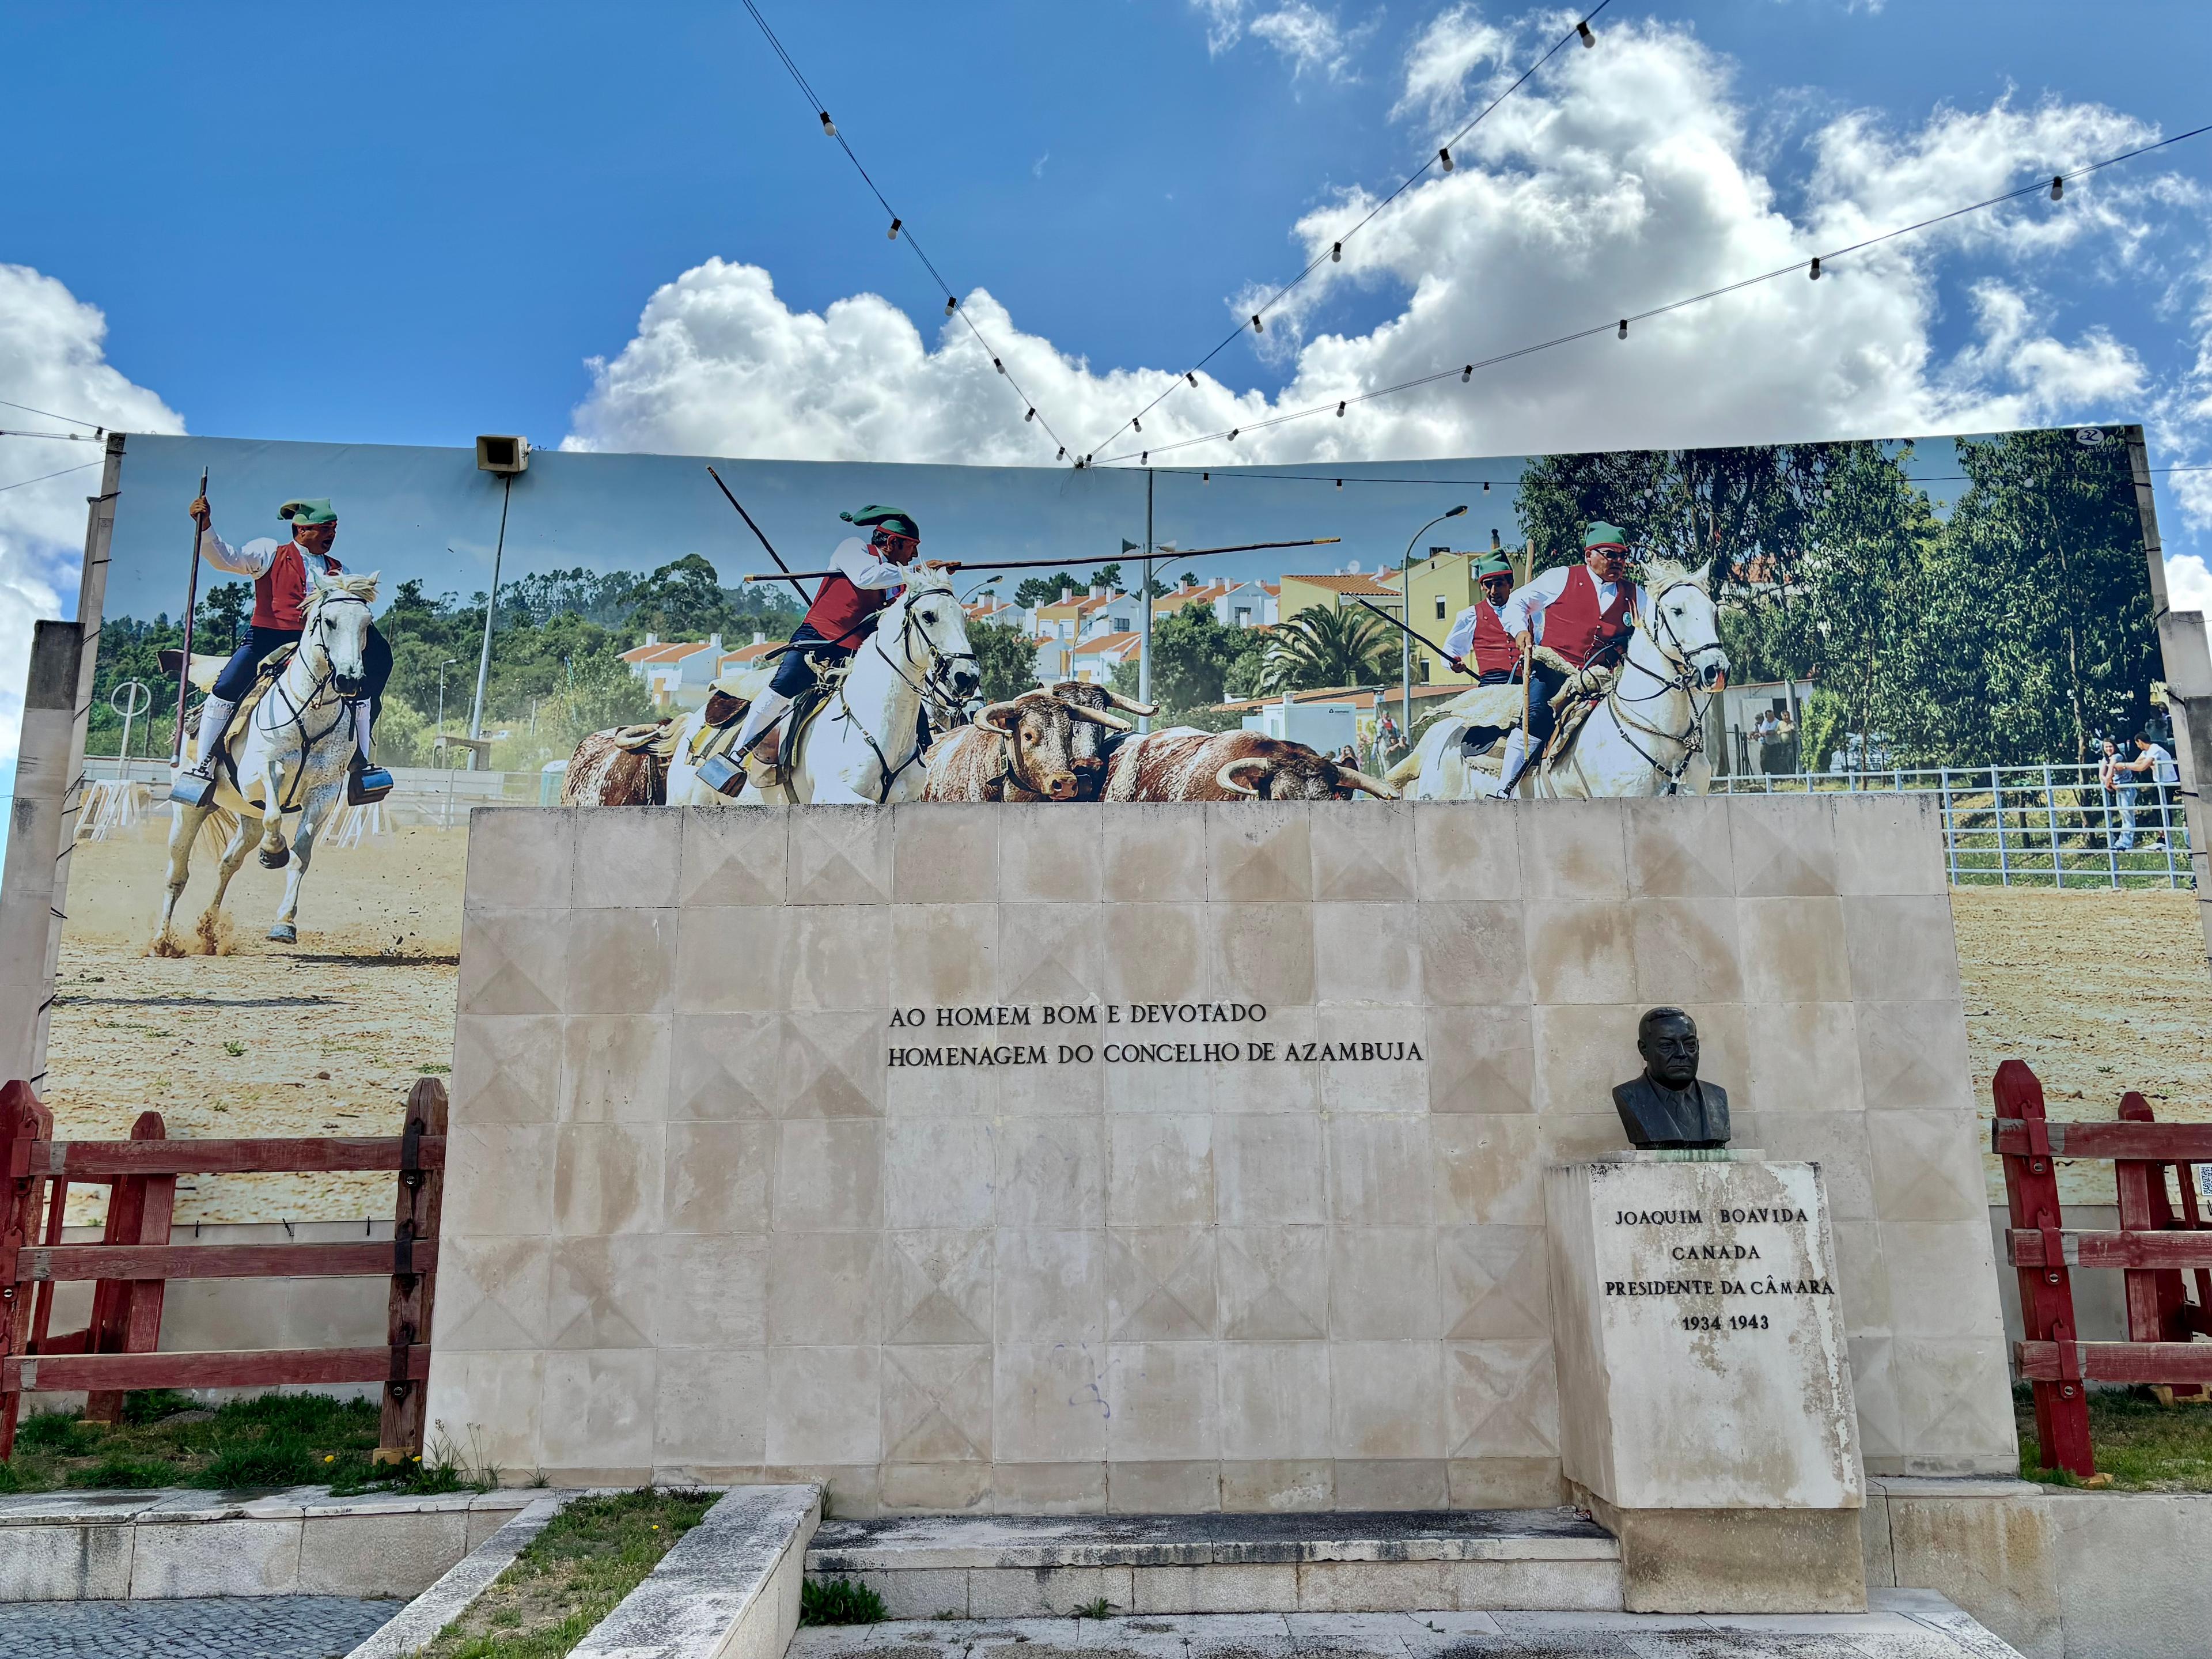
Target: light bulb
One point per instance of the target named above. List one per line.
(1444, 156)
(1232, 434)
(1192, 378)
(828, 127)
(1063, 454)
(1486, 486)
(1624, 328)
(1582, 28)
(2058, 186)
(892, 234)
(1136, 423)
(952, 305)
(1144, 458)
(1258, 327)
(996, 364)
(1340, 409)
(1336, 254)
(1466, 374)
(1031, 416)
(1815, 272)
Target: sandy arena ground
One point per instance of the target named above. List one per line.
(2099, 992)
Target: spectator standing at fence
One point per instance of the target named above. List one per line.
(2152, 767)
(2109, 785)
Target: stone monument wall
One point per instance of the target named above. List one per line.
(1161, 1157)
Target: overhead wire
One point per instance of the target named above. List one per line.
(1466, 371)
(899, 228)
(1335, 254)
(50, 416)
(42, 477)
(66, 437)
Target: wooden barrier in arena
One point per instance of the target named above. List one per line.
(118, 1349)
(2155, 1247)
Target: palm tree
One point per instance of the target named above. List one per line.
(1321, 648)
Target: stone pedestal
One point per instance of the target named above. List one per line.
(1705, 1383)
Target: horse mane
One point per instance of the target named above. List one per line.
(361, 587)
(1660, 572)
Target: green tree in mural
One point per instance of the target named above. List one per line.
(1322, 648)
(1006, 658)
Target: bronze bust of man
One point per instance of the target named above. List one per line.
(1667, 1106)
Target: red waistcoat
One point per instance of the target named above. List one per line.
(1492, 647)
(1577, 628)
(280, 593)
(840, 608)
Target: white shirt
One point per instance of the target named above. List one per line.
(2162, 769)
(1460, 639)
(857, 564)
(255, 558)
(1525, 612)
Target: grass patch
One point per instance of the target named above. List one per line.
(2142, 1445)
(166, 1439)
(594, 1554)
(840, 1602)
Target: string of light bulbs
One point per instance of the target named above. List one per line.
(900, 228)
(2056, 184)
(64, 437)
(1442, 158)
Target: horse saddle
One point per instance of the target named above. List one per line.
(1575, 702)
(265, 674)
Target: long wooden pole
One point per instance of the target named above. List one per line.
(192, 603)
(1041, 564)
(764, 541)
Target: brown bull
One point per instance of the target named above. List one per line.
(1090, 746)
(1019, 750)
(1183, 765)
(621, 768)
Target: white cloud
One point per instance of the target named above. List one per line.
(1308, 37)
(51, 358)
(2188, 583)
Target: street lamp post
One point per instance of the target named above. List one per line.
(1406, 617)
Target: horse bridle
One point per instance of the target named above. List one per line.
(1692, 741)
(295, 711)
(933, 691)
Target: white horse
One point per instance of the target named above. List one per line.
(862, 749)
(298, 741)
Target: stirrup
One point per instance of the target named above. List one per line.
(191, 788)
(366, 784)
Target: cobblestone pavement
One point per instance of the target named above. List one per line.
(212, 1627)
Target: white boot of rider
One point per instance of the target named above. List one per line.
(1516, 747)
(759, 718)
(214, 717)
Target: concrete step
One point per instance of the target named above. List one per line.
(1032, 1567)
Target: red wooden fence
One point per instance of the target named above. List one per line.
(2155, 1247)
(118, 1350)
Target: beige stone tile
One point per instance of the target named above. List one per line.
(1161, 1170)
(839, 955)
(839, 855)
(603, 1292)
(1942, 1280)
(929, 1489)
(1166, 1403)
(1474, 951)
(1220, 1587)
(937, 1404)
(828, 1176)
(1273, 1283)
(825, 1405)
(1043, 1592)
(1160, 1284)
(1362, 849)
(726, 1066)
(1793, 949)
(502, 1391)
(1576, 1137)
(913, 1088)
(1050, 1172)
(1274, 1399)
(518, 858)
(614, 1067)
(1581, 952)
(1581, 1052)
(945, 853)
(733, 961)
(1466, 850)
(1163, 1487)
(732, 859)
(1502, 1399)
(1367, 952)
(717, 1176)
(1154, 853)
(1678, 847)
(1051, 1287)
(1927, 1166)
(710, 1407)
(937, 1172)
(1480, 1059)
(1391, 1483)
(1953, 1403)
(1262, 952)
(1374, 1067)
(1902, 948)
(1051, 953)
(1573, 849)
(1380, 1171)
(506, 1069)
(1784, 845)
(1275, 1083)
(606, 1178)
(1861, 1276)
(1686, 950)
(1070, 1488)
(1278, 1486)
(946, 955)
(1155, 953)
(1874, 1392)
(1488, 1170)
(1889, 844)
(498, 1181)
(629, 861)
(711, 1292)
(597, 1411)
(1386, 1399)
(1837, 1142)
(939, 1287)
(1506, 1483)
(1914, 1055)
(513, 961)
(826, 1289)
(1050, 1403)
(1050, 853)
(1493, 1283)
(621, 962)
(1269, 1169)
(1382, 1283)
(493, 1293)
(832, 1063)
(1258, 850)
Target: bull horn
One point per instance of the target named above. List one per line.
(1147, 709)
(1100, 717)
(1222, 779)
(985, 720)
(1374, 786)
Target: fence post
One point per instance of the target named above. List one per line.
(1996, 805)
(2051, 817)
(25, 1126)
(414, 1221)
(1950, 828)
(2046, 1293)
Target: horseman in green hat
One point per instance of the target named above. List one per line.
(865, 576)
(1582, 615)
(1479, 643)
